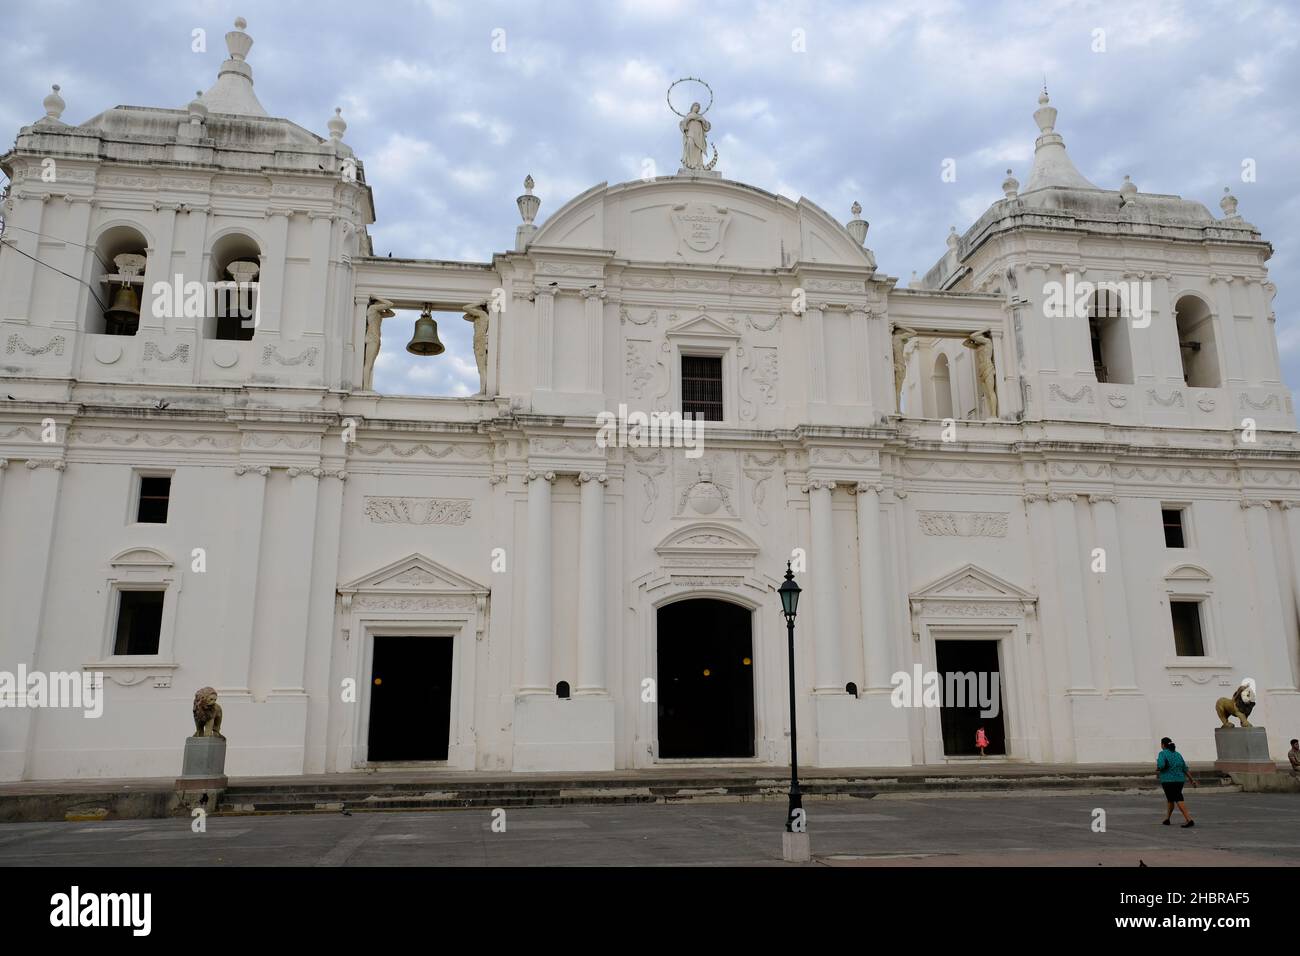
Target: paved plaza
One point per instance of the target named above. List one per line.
(944, 830)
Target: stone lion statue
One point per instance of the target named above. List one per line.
(207, 713)
(1239, 705)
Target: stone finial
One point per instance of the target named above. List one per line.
(1128, 191)
(337, 125)
(915, 281)
(953, 239)
(238, 42)
(1045, 115)
(1010, 186)
(528, 203)
(197, 109)
(54, 104)
(1228, 203)
(857, 226)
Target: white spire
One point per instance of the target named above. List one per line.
(233, 91)
(1052, 165)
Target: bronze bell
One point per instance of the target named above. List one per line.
(424, 340)
(123, 317)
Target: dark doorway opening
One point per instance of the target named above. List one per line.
(410, 698)
(706, 680)
(972, 665)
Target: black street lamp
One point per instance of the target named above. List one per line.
(789, 592)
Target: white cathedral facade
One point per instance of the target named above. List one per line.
(1064, 456)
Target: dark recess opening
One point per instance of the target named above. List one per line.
(139, 622)
(959, 724)
(410, 698)
(706, 680)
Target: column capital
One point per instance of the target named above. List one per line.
(58, 464)
(4, 463)
(820, 484)
(1056, 496)
(1100, 499)
(1286, 505)
(262, 470)
(596, 476)
(547, 476)
(864, 487)
(1247, 503)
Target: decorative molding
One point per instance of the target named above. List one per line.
(15, 343)
(181, 352)
(466, 451)
(1085, 391)
(963, 524)
(1247, 402)
(1175, 398)
(308, 356)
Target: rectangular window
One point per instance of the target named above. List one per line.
(139, 622)
(1173, 520)
(155, 492)
(1188, 641)
(702, 386)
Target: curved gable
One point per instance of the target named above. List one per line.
(701, 221)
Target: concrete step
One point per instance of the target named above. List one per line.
(354, 795)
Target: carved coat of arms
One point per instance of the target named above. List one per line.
(700, 227)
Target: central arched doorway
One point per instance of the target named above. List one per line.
(706, 680)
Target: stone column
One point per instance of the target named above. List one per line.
(18, 272)
(354, 344)
(545, 338)
(1074, 617)
(293, 594)
(1166, 356)
(245, 562)
(1119, 641)
(594, 305)
(24, 594)
(1268, 601)
(538, 596)
(591, 585)
(826, 637)
(1226, 329)
(158, 268)
(815, 342)
(871, 587)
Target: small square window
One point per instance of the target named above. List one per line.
(139, 622)
(1175, 535)
(155, 493)
(702, 386)
(1188, 641)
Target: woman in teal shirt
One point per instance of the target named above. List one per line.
(1172, 771)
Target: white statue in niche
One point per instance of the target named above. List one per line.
(982, 344)
(479, 316)
(376, 312)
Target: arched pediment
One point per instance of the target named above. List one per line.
(704, 221)
(415, 572)
(707, 538)
(140, 558)
(1189, 572)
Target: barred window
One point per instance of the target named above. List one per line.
(702, 386)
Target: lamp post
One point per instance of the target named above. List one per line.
(789, 592)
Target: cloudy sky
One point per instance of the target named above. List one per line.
(451, 103)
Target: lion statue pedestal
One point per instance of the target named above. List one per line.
(1242, 749)
(204, 766)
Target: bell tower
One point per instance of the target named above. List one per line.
(209, 244)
